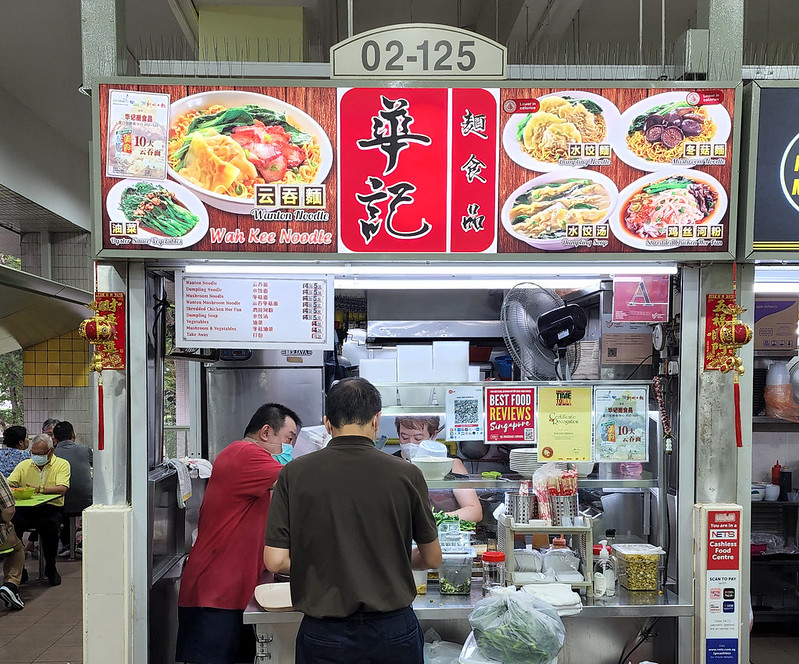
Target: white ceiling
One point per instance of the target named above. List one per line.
(40, 47)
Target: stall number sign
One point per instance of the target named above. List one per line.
(418, 51)
(723, 586)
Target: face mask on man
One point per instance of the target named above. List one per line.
(285, 456)
(39, 459)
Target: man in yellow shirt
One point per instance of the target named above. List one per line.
(48, 474)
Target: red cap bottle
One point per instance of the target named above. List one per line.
(775, 472)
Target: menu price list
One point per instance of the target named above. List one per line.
(240, 311)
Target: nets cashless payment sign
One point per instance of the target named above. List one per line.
(719, 584)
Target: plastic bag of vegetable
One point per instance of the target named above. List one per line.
(515, 628)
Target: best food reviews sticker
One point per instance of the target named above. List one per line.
(510, 414)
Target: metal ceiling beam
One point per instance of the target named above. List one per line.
(539, 22)
(188, 20)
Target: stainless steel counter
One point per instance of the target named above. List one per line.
(434, 606)
(617, 619)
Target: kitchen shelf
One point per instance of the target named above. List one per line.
(644, 482)
(762, 423)
(584, 548)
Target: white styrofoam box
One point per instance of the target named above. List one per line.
(381, 371)
(415, 365)
(451, 361)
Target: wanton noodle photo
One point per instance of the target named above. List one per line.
(229, 150)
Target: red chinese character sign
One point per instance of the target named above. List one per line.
(418, 170)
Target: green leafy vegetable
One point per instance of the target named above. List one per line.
(156, 208)
(673, 182)
(638, 123)
(466, 526)
(520, 127)
(590, 106)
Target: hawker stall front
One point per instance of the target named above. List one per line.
(769, 241)
(520, 267)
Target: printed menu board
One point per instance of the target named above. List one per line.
(262, 312)
(621, 427)
(564, 423)
(407, 170)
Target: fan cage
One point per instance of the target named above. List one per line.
(519, 313)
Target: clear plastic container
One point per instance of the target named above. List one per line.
(455, 574)
(493, 570)
(638, 565)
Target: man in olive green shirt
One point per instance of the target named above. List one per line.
(48, 474)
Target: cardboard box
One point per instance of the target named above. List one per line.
(775, 323)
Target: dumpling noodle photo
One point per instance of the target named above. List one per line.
(229, 150)
(543, 211)
(545, 135)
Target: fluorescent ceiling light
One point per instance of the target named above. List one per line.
(518, 271)
(457, 284)
(777, 287)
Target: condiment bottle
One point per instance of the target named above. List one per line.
(786, 482)
(493, 570)
(604, 573)
(775, 472)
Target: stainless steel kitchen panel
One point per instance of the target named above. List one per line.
(233, 394)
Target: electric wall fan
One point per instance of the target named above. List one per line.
(541, 332)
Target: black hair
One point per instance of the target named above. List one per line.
(273, 414)
(13, 436)
(352, 401)
(50, 422)
(63, 431)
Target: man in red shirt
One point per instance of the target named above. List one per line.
(227, 559)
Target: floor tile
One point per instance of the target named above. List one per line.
(67, 655)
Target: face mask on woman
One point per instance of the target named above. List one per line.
(285, 456)
(409, 450)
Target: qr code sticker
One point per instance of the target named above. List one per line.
(612, 352)
(529, 433)
(465, 411)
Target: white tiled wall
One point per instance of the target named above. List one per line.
(72, 265)
(71, 257)
(73, 404)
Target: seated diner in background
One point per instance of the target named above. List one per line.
(462, 503)
(14, 450)
(13, 551)
(47, 474)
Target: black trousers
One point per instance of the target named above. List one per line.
(47, 521)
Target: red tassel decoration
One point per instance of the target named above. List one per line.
(736, 390)
(100, 417)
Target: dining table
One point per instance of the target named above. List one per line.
(34, 501)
